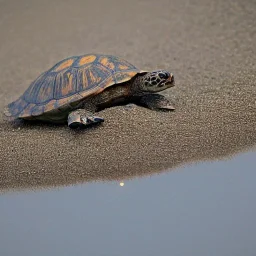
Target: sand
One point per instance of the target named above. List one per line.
(208, 45)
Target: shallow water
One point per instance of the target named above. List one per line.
(203, 209)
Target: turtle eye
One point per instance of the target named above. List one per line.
(164, 75)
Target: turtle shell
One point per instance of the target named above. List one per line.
(70, 80)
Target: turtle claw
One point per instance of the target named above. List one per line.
(168, 107)
(88, 120)
(98, 119)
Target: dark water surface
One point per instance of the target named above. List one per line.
(204, 209)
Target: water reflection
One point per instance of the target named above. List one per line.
(204, 209)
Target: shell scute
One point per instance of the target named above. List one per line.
(82, 81)
(87, 60)
(38, 110)
(64, 64)
(16, 107)
(108, 62)
(27, 111)
(44, 89)
(73, 98)
(116, 64)
(124, 76)
(50, 105)
(66, 84)
(95, 75)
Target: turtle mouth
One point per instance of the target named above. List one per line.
(170, 81)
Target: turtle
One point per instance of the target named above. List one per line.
(76, 88)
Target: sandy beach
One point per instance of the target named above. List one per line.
(208, 46)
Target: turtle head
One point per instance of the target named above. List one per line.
(157, 81)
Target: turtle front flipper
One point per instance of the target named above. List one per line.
(82, 118)
(155, 102)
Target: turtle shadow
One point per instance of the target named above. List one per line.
(37, 125)
(34, 124)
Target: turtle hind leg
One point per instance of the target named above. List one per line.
(82, 118)
(155, 102)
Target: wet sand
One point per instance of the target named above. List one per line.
(210, 48)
